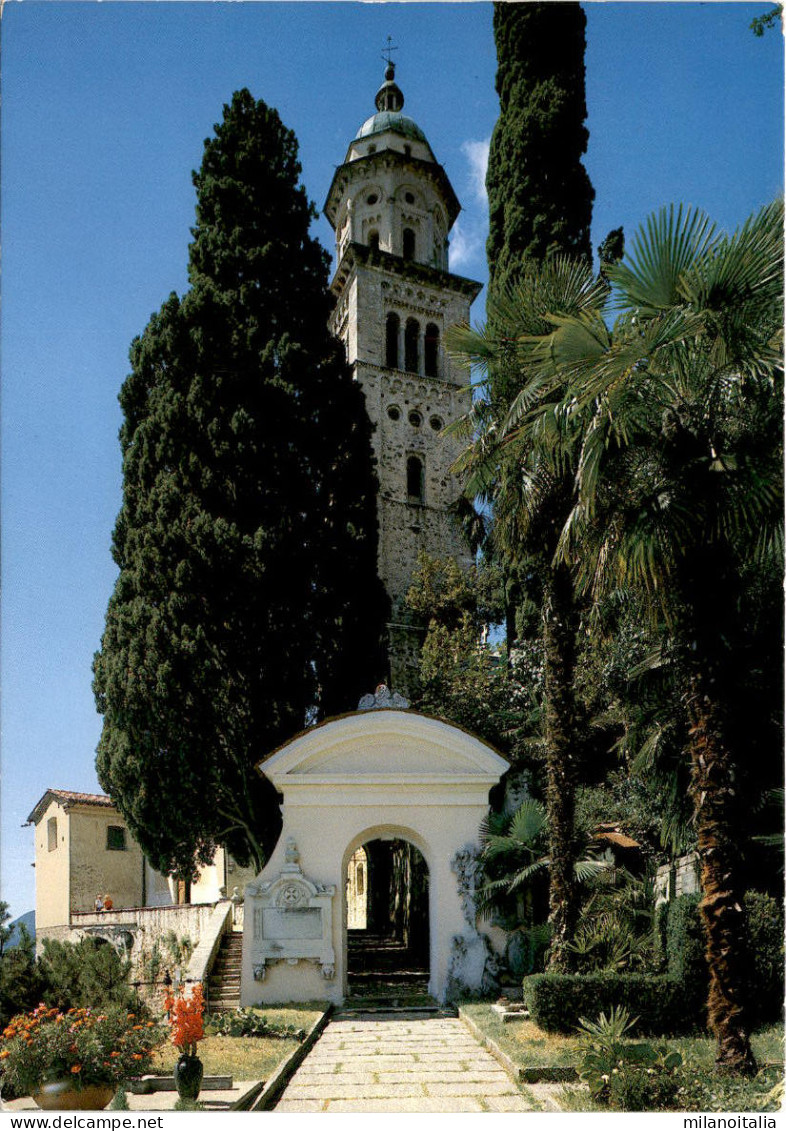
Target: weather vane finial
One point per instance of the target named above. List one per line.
(388, 48)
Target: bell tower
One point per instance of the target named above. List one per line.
(392, 206)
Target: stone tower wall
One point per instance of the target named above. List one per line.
(392, 206)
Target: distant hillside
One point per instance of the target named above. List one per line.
(26, 920)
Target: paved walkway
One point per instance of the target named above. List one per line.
(405, 1063)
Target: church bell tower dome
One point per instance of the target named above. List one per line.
(388, 118)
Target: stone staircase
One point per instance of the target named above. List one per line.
(223, 988)
(385, 977)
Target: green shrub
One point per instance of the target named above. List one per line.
(764, 984)
(84, 974)
(685, 941)
(21, 983)
(249, 1023)
(627, 1076)
(685, 947)
(557, 1002)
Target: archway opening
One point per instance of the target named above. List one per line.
(387, 894)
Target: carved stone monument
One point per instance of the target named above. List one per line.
(292, 919)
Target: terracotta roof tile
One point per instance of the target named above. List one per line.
(68, 797)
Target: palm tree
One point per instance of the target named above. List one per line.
(516, 844)
(527, 482)
(678, 486)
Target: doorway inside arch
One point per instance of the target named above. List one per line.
(387, 892)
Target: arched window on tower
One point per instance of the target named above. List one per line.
(373, 240)
(408, 244)
(431, 350)
(392, 323)
(411, 335)
(415, 479)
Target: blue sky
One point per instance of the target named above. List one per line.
(104, 111)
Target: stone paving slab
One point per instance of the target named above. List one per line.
(424, 1105)
(415, 1065)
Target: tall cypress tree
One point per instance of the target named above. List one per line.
(540, 197)
(246, 541)
(540, 202)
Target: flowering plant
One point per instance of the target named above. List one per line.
(82, 1045)
(185, 1018)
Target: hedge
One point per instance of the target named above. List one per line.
(674, 1002)
(557, 1001)
(764, 984)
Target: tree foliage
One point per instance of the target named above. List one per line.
(247, 599)
(540, 197)
(21, 982)
(677, 412)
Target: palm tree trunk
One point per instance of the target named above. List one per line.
(714, 799)
(559, 638)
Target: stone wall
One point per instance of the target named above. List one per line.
(681, 877)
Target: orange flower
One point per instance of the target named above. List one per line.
(76, 1068)
(136, 1056)
(5, 1053)
(114, 1054)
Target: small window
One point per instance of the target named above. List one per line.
(410, 199)
(51, 833)
(361, 881)
(373, 241)
(372, 149)
(408, 150)
(372, 198)
(415, 479)
(411, 336)
(408, 244)
(436, 423)
(394, 412)
(415, 419)
(431, 350)
(116, 838)
(392, 323)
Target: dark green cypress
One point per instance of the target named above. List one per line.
(540, 197)
(246, 541)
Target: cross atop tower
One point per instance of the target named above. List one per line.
(389, 48)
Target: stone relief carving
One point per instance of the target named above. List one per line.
(292, 919)
(468, 870)
(474, 968)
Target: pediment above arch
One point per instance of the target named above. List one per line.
(384, 746)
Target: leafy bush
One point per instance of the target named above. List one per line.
(685, 959)
(765, 967)
(249, 1023)
(84, 974)
(623, 1075)
(557, 1002)
(685, 941)
(21, 983)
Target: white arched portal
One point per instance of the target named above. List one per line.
(387, 832)
(375, 772)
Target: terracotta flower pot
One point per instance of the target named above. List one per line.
(188, 1077)
(61, 1095)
